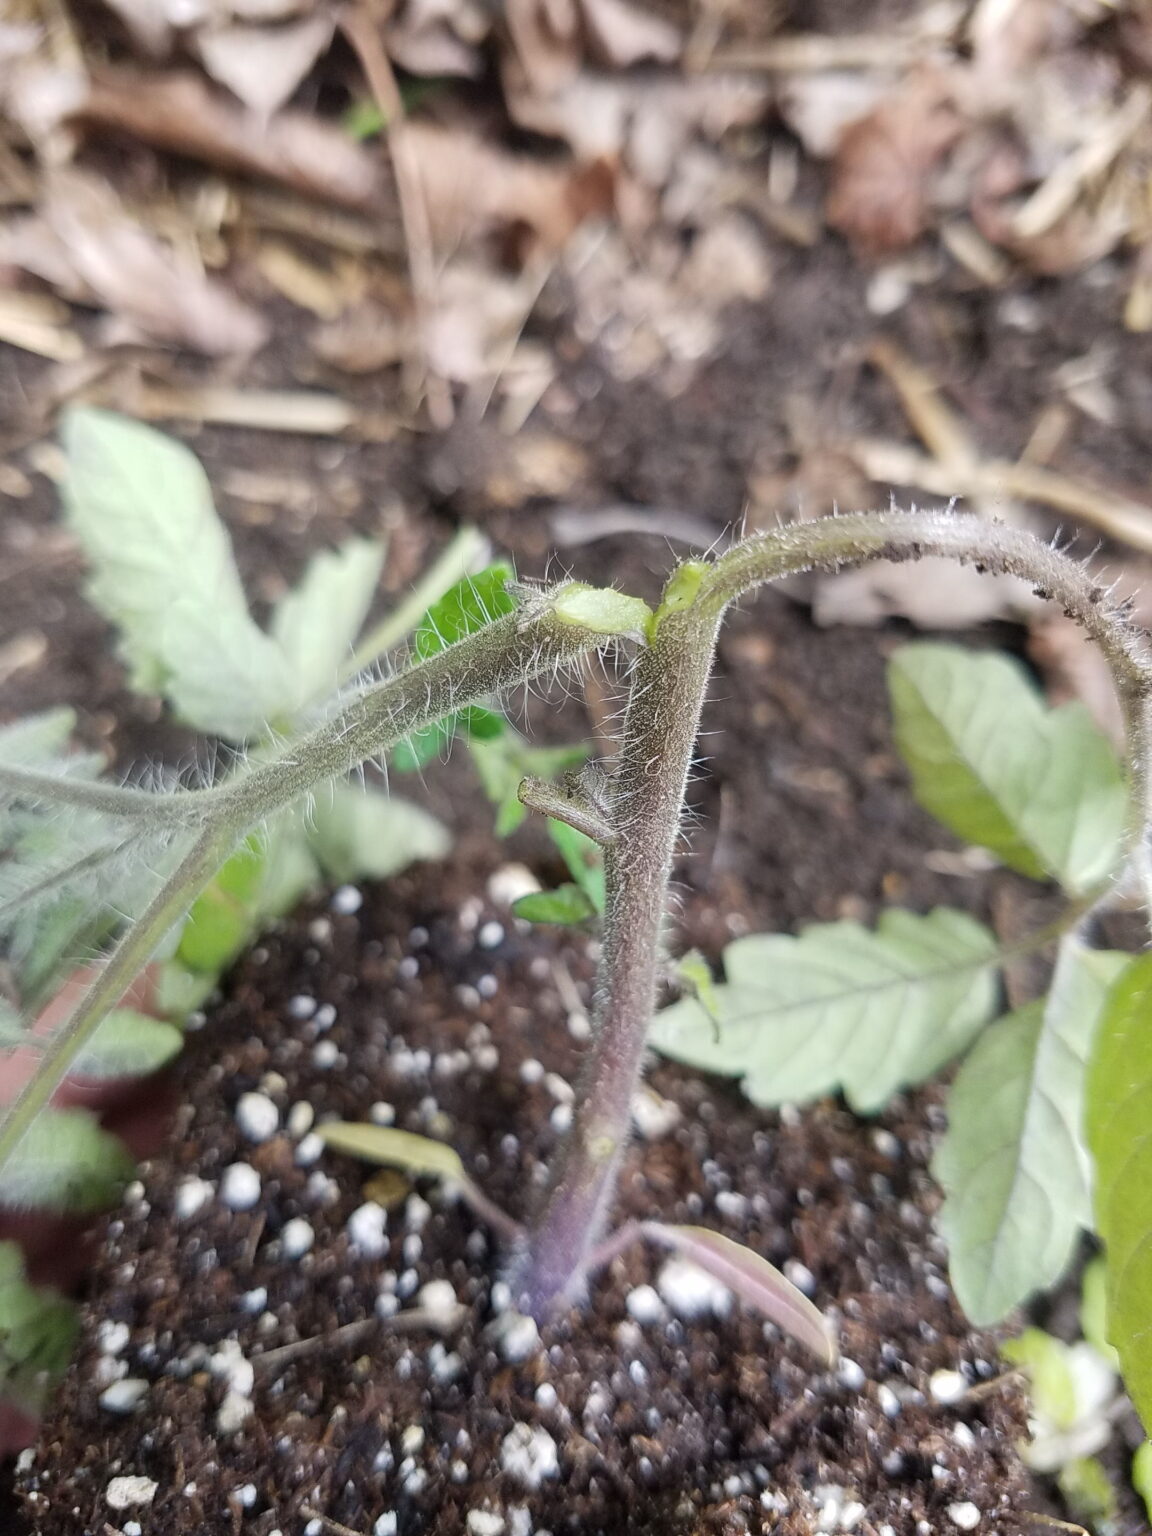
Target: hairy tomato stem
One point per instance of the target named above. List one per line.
(645, 800)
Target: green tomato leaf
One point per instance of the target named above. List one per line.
(38, 1332)
(840, 1008)
(464, 609)
(1094, 1310)
(566, 905)
(128, 1044)
(224, 914)
(316, 624)
(1119, 1116)
(1087, 1490)
(1042, 788)
(1142, 1474)
(503, 761)
(584, 858)
(365, 834)
(65, 1162)
(162, 570)
(1052, 1384)
(1013, 1164)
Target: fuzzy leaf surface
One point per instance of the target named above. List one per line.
(1013, 1164)
(1119, 1123)
(128, 1044)
(1041, 788)
(840, 1007)
(316, 624)
(162, 570)
(366, 834)
(65, 1162)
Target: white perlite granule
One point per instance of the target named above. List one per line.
(239, 1186)
(965, 1515)
(129, 1492)
(528, 1454)
(257, 1117)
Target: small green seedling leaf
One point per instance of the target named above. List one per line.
(1119, 1114)
(754, 1280)
(128, 1044)
(394, 1149)
(1013, 1164)
(222, 916)
(38, 1332)
(464, 609)
(840, 1007)
(65, 1162)
(1072, 1393)
(680, 590)
(162, 570)
(602, 610)
(695, 977)
(584, 858)
(567, 905)
(1087, 1490)
(365, 834)
(1046, 1362)
(316, 624)
(1041, 788)
(503, 763)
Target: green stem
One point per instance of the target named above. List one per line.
(513, 650)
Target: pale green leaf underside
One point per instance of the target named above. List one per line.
(841, 1008)
(1013, 1164)
(393, 1148)
(162, 570)
(128, 1044)
(1119, 1122)
(65, 1162)
(316, 624)
(365, 834)
(1041, 788)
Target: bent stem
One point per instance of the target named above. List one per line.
(644, 801)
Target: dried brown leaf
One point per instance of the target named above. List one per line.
(85, 242)
(440, 37)
(645, 121)
(880, 184)
(367, 338)
(619, 34)
(181, 112)
(820, 107)
(471, 188)
(262, 66)
(151, 22)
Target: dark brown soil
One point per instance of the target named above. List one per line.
(708, 1425)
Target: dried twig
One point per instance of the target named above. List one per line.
(362, 31)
